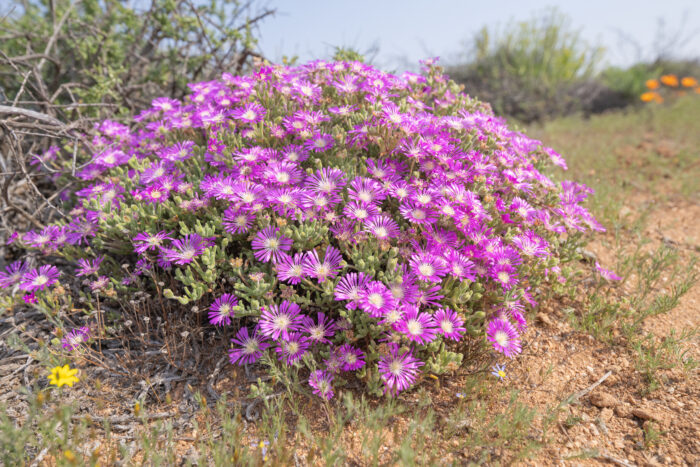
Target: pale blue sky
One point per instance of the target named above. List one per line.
(415, 29)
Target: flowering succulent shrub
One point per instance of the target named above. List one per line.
(330, 215)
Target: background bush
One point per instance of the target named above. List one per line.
(532, 69)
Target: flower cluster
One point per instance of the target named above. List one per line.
(330, 215)
(668, 84)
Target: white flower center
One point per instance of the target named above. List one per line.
(376, 299)
(414, 327)
(281, 322)
(447, 326)
(426, 270)
(501, 338)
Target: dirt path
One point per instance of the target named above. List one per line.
(609, 423)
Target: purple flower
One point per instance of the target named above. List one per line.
(350, 288)
(237, 221)
(449, 323)
(145, 241)
(327, 180)
(416, 213)
(13, 274)
(320, 381)
(221, 311)
(606, 273)
(504, 337)
(276, 321)
(319, 142)
(290, 269)
(382, 227)
(417, 327)
(292, 348)
(398, 372)
(87, 267)
(351, 357)
(499, 371)
(360, 211)
(322, 270)
(252, 112)
(268, 245)
(376, 299)
(250, 348)
(428, 267)
(100, 283)
(184, 251)
(366, 190)
(30, 298)
(321, 331)
(39, 279)
(75, 338)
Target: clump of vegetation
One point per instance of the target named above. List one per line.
(533, 69)
(331, 216)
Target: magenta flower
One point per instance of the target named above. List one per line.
(428, 267)
(417, 327)
(145, 241)
(606, 273)
(236, 221)
(382, 227)
(376, 299)
(398, 372)
(292, 348)
(360, 211)
(504, 337)
(350, 288)
(75, 338)
(417, 214)
(351, 357)
(290, 269)
(366, 190)
(321, 331)
(249, 348)
(268, 245)
(252, 112)
(327, 180)
(449, 323)
(319, 142)
(13, 274)
(30, 298)
(184, 251)
(276, 321)
(322, 270)
(39, 279)
(87, 267)
(320, 381)
(221, 311)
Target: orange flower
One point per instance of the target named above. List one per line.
(670, 80)
(649, 96)
(689, 82)
(652, 84)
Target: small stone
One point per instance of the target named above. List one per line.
(606, 414)
(646, 414)
(603, 399)
(544, 319)
(622, 411)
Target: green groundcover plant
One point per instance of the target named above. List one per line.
(348, 222)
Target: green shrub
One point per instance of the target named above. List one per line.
(531, 70)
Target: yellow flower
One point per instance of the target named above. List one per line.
(689, 82)
(670, 80)
(63, 375)
(652, 84)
